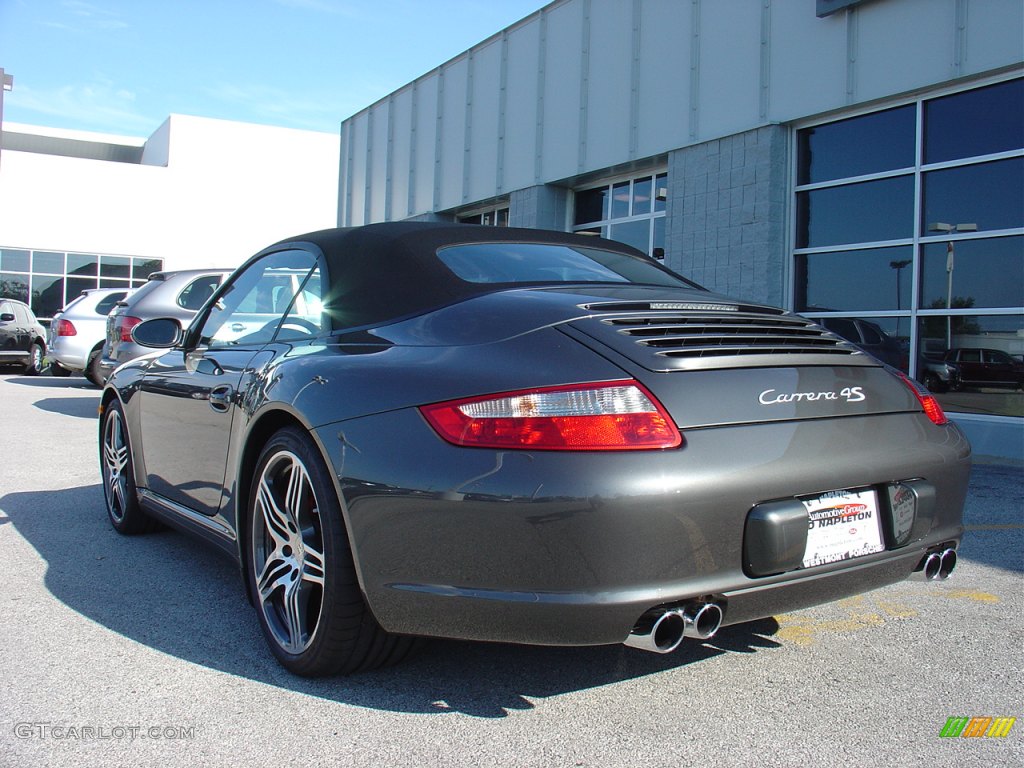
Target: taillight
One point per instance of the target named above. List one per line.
(931, 406)
(66, 328)
(125, 323)
(605, 416)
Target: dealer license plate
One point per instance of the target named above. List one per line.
(843, 525)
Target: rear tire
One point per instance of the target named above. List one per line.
(35, 362)
(118, 472)
(58, 370)
(92, 368)
(301, 575)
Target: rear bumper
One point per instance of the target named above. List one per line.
(571, 548)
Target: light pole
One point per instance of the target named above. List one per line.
(899, 266)
(6, 84)
(950, 229)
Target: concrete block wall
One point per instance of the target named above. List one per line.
(726, 220)
(544, 206)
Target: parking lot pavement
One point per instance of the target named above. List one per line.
(144, 652)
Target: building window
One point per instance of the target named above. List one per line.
(631, 211)
(48, 280)
(909, 239)
(496, 216)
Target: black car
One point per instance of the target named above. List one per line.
(22, 337)
(983, 368)
(512, 435)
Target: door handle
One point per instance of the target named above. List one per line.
(220, 398)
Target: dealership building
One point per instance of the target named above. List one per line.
(861, 163)
(84, 210)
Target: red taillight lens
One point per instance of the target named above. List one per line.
(125, 323)
(931, 406)
(66, 328)
(606, 416)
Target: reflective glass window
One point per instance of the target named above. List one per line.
(48, 263)
(964, 362)
(871, 279)
(83, 264)
(658, 249)
(634, 233)
(620, 200)
(75, 285)
(591, 205)
(642, 196)
(973, 273)
(47, 295)
(14, 286)
(886, 338)
(978, 122)
(115, 266)
(881, 141)
(856, 213)
(143, 268)
(13, 260)
(990, 195)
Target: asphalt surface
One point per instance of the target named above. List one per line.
(144, 652)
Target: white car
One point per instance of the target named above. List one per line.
(77, 333)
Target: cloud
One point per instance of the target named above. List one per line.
(99, 106)
(87, 16)
(278, 106)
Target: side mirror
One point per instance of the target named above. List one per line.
(159, 333)
(7, 317)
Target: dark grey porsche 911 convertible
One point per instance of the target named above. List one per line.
(409, 430)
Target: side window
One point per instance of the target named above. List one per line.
(995, 356)
(871, 335)
(252, 307)
(970, 356)
(107, 303)
(198, 291)
(304, 318)
(21, 314)
(6, 308)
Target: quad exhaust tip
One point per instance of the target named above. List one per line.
(662, 631)
(936, 565)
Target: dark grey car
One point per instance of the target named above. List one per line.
(512, 435)
(22, 337)
(165, 294)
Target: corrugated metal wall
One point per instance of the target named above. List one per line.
(585, 85)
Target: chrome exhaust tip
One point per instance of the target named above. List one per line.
(702, 620)
(947, 562)
(929, 567)
(658, 632)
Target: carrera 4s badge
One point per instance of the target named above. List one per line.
(774, 397)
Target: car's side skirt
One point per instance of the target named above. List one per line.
(189, 521)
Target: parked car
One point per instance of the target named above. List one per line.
(77, 333)
(935, 373)
(520, 436)
(165, 294)
(977, 367)
(22, 337)
(870, 337)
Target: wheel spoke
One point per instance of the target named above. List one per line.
(294, 619)
(274, 574)
(275, 520)
(297, 484)
(313, 566)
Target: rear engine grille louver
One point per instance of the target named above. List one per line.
(735, 336)
(729, 334)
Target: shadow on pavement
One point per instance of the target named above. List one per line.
(79, 407)
(170, 593)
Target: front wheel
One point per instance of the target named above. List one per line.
(300, 570)
(117, 469)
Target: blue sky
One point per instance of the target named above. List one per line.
(122, 66)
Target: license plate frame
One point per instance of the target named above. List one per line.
(842, 525)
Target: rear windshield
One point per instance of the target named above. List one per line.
(544, 263)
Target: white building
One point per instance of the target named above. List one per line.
(858, 161)
(82, 210)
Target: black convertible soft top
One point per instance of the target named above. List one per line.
(381, 272)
